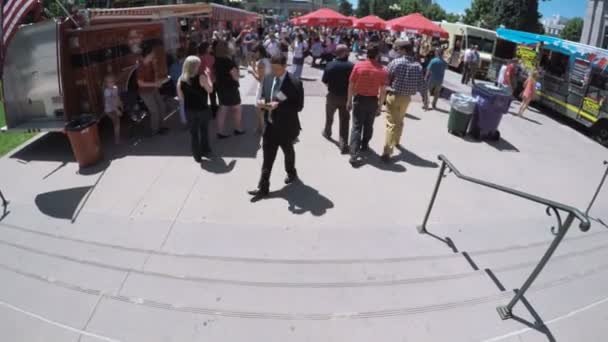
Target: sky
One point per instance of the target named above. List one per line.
(566, 8)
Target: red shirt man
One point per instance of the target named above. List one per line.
(366, 93)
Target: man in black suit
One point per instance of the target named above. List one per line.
(281, 97)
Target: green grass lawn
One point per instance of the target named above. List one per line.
(10, 140)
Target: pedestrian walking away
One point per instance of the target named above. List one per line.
(227, 81)
(194, 88)
(405, 80)
(366, 93)
(435, 74)
(466, 66)
(528, 93)
(281, 97)
(336, 77)
(299, 47)
(148, 89)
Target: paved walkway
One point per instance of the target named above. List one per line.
(149, 246)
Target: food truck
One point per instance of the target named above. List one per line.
(463, 37)
(54, 69)
(573, 77)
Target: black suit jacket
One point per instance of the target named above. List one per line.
(285, 120)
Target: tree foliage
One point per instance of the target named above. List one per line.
(434, 12)
(573, 29)
(481, 13)
(363, 9)
(453, 18)
(411, 6)
(345, 7)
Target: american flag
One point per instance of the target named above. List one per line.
(13, 12)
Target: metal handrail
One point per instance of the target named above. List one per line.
(560, 231)
(599, 188)
(584, 225)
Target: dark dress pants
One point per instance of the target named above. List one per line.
(364, 114)
(270, 147)
(337, 102)
(198, 122)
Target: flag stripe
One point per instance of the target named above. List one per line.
(8, 10)
(10, 29)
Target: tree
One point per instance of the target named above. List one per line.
(520, 15)
(434, 12)
(453, 18)
(363, 9)
(345, 7)
(481, 13)
(411, 6)
(573, 29)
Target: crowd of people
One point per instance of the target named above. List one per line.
(206, 78)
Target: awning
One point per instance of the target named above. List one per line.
(418, 24)
(371, 22)
(598, 57)
(323, 17)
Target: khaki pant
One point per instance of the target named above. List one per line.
(156, 108)
(397, 107)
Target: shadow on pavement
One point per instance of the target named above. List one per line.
(372, 158)
(525, 118)
(412, 117)
(538, 324)
(502, 145)
(218, 165)
(61, 204)
(303, 198)
(54, 146)
(414, 159)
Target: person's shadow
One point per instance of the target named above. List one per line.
(303, 198)
(218, 165)
(414, 159)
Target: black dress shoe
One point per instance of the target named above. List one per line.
(344, 149)
(364, 148)
(258, 194)
(237, 132)
(291, 178)
(197, 159)
(326, 134)
(222, 136)
(385, 158)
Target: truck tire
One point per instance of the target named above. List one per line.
(599, 132)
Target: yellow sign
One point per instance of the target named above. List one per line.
(527, 57)
(591, 106)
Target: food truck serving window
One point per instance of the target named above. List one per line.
(505, 49)
(555, 63)
(485, 45)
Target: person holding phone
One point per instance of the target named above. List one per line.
(281, 96)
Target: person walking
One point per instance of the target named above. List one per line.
(466, 64)
(194, 88)
(227, 82)
(205, 52)
(299, 47)
(405, 78)
(148, 85)
(316, 50)
(336, 76)
(366, 94)
(272, 45)
(281, 97)
(528, 93)
(474, 64)
(260, 69)
(435, 73)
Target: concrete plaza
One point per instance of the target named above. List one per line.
(149, 246)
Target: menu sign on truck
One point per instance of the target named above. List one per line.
(527, 56)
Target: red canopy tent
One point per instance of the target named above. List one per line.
(371, 22)
(416, 23)
(323, 17)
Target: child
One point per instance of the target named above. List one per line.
(112, 104)
(528, 93)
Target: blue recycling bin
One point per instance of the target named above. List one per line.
(492, 103)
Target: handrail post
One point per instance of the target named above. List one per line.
(4, 201)
(597, 191)
(505, 312)
(422, 227)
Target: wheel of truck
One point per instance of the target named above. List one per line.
(599, 132)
